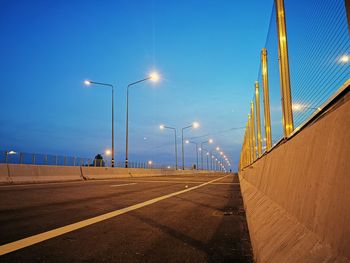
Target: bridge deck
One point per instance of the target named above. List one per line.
(203, 224)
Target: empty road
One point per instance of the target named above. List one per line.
(151, 219)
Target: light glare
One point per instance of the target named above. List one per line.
(344, 59)
(195, 125)
(154, 76)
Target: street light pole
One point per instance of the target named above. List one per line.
(205, 142)
(167, 127)
(207, 160)
(88, 82)
(154, 77)
(194, 125)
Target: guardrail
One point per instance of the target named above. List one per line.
(12, 157)
(299, 75)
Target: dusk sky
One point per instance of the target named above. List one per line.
(207, 53)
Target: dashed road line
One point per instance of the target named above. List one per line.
(118, 185)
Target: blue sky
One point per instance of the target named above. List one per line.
(207, 53)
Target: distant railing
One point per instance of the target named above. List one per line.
(299, 72)
(13, 157)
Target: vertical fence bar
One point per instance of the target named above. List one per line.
(46, 159)
(248, 140)
(33, 159)
(267, 117)
(20, 158)
(251, 148)
(56, 160)
(258, 122)
(286, 99)
(252, 119)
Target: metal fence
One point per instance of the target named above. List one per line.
(12, 157)
(305, 62)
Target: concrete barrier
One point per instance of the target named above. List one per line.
(4, 176)
(91, 173)
(297, 197)
(23, 173)
(110, 173)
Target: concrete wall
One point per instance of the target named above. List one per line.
(297, 197)
(23, 173)
(4, 176)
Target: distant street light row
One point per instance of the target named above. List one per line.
(224, 160)
(154, 76)
(193, 125)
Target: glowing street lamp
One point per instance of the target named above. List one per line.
(88, 83)
(194, 125)
(154, 76)
(162, 127)
(210, 141)
(344, 59)
(300, 107)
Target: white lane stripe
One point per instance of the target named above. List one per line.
(25, 242)
(95, 181)
(171, 182)
(117, 185)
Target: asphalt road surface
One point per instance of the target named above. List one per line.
(151, 219)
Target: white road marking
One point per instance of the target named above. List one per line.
(29, 241)
(170, 182)
(109, 180)
(123, 179)
(117, 185)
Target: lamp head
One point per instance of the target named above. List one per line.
(211, 141)
(161, 127)
(187, 141)
(108, 152)
(154, 76)
(344, 59)
(195, 125)
(87, 82)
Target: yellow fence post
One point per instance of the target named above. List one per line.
(258, 123)
(253, 129)
(246, 149)
(288, 126)
(267, 118)
(250, 134)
